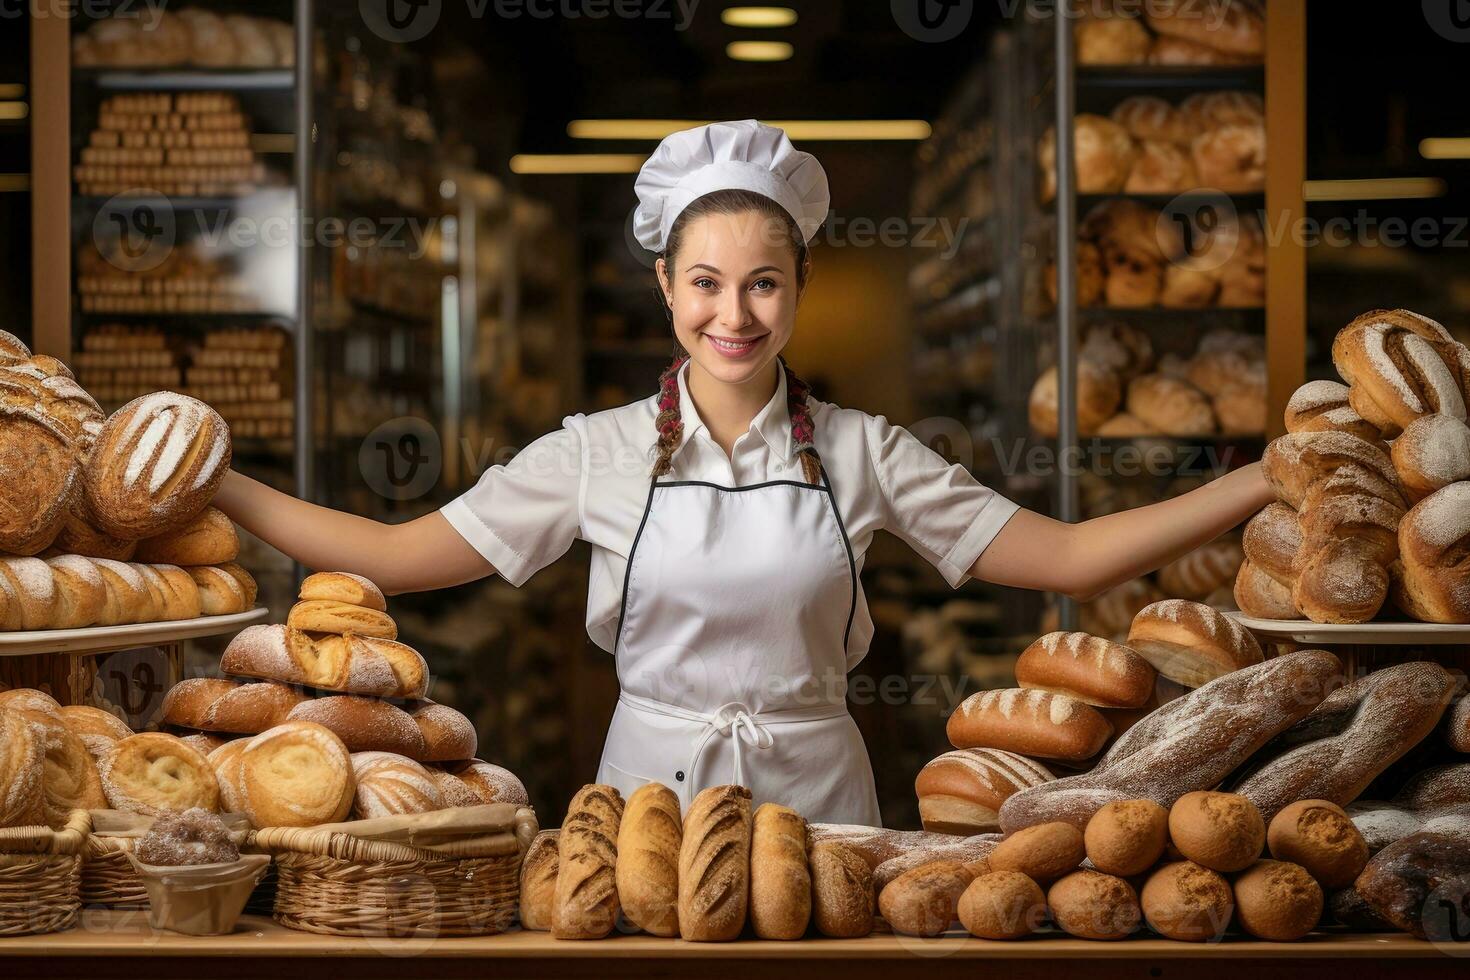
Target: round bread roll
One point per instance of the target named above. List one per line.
(1030, 723)
(842, 890)
(1172, 407)
(355, 590)
(1122, 349)
(364, 724)
(780, 880)
(1093, 905)
(1111, 41)
(1323, 406)
(1002, 905)
(491, 783)
(1186, 902)
(327, 616)
(1127, 837)
(1161, 168)
(208, 539)
(1219, 831)
(387, 785)
(960, 792)
(1429, 581)
(1432, 452)
(538, 881)
(448, 735)
(296, 775)
(152, 773)
(225, 761)
(1277, 900)
(1258, 594)
(99, 730)
(925, 900)
(1042, 853)
(1190, 643)
(1231, 158)
(1089, 668)
(1098, 395)
(22, 770)
(215, 704)
(1271, 541)
(1321, 837)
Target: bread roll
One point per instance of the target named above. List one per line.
(22, 762)
(1201, 571)
(1271, 541)
(221, 592)
(1098, 395)
(151, 773)
(1234, 26)
(1258, 594)
(1219, 831)
(129, 600)
(1127, 837)
(647, 874)
(1321, 837)
(207, 539)
(1171, 407)
(32, 588)
(1088, 668)
(326, 616)
(225, 761)
(364, 724)
(1148, 117)
(1322, 406)
(960, 792)
(1132, 279)
(352, 664)
(1429, 581)
(538, 882)
(214, 704)
(780, 880)
(1161, 168)
(924, 901)
(714, 865)
(842, 890)
(1231, 158)
(355, 590)
(1187, 902)
(1042, 853)
(491, 783)
(1190, 284)
(1031, 723)
(297, 774)
(386, 785)
(586, 902)
(448, 735)
(1111, 41)
(99, 730)
(1093, 905)
(1278, 901)
(80, 590)
(1002, 905)
(156, 464)
(1104, 154)
(1432, 453)
(1190, 643)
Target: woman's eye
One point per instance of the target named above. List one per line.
(704, 282)
(763, 284)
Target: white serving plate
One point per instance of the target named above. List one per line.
(1366, 634)
(106, 639)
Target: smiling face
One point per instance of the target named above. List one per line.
(733, 289)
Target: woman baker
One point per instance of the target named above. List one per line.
(729, 513)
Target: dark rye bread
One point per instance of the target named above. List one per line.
(1421, 884)
(1189, 744)
(1435, 800)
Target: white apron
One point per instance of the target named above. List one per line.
(732, 650)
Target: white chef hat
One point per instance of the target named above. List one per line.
(743, 155)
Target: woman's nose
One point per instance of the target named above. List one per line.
(733, 311)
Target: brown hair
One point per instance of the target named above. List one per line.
(670, 426)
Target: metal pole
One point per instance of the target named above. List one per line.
(1067, 509)
(304, 458)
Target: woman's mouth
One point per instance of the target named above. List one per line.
(732, 347)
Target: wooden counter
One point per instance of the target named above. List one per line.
(109, 945)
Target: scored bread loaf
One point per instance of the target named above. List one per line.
(215, 704)
(1429, 581)
(1089, 668)
(22, 769)
(355, 590)
(1400, 365)
(1032, 723)
(80, 589)
(489, 782)
(295, 775)
(328, 616)
(1203, 570)
(209, 538)
(842, 890)
(538, 882)
(714, 865)
(647, 874)
(223, 589)
(31, 591)
(960, 792)
(364, 724)
(1322, 406)
(780, 880)
(586, 901)
(386, 785)
(352, 664)
(1191, 643)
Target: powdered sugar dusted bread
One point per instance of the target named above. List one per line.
(353, 664)
(960, 792)
(1191, 643)
(1401, 365)
(295, 775)
(345, 587)
(364, 724)
(216, 704)
(1432, 453)
(1089, 668)
(1191, 743)
(1032, 723)
(388, 784)
(1271, 541)
(1322, 406)
(1431, 581)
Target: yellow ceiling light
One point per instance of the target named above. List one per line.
(759, 51)
(1373, 189)
(758, 16)
(853, 130)
(1445, 148)
(14, 110)
(576, 163)
(12, 90)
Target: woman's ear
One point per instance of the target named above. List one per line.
(665, 284)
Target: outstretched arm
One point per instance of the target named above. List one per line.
(1083, 560)
(426, 553)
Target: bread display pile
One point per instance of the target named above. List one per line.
(1373, 484)
(1210, 141)
(1123, 391)
(189, 280)
(1172, 32)
(159, 38)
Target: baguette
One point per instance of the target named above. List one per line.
(780, 880)
(586, 901)
(714, 865)
(649, 839)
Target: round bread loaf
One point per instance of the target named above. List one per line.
(1190, 643)
(1042, 853)
(1127, 837)
(1271, 541)
(1170, 406)
(455, 791)
(1088, 668)
(1002, 905)
(780, 880)
(1321, 837)
(70, 779)
(214, 704)
(924, 901)
(364, 724)
(152, 773)
(1219, 831)
(327, 616)
(1093, 905)
(1432, 452)
(491, 783)
(1429, 582)
(387, 785)
(538, 882)
(448, 735)
(1322, 406)
(355, 590)
(297, 774)
(1030, 723)
(960, 792)
(1277, 900)
(99, 730)
(842, 890)
(1187, 902)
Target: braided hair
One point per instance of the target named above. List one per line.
(668, 423)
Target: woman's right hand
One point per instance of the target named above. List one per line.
(425, 553)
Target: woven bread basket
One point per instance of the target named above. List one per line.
(40, 876)
(108, 878)
(446, 873)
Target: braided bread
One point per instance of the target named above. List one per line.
(1400, 365)
(1431, 581)
(351, 663)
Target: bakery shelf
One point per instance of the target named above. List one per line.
(1357, 634)
(187, 79)
(1252, 202)
(107, 639)
(1157, 77)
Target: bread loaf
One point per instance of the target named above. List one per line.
(1319, 836)
(454, 791)
(647, 874)
(1258, 594)
(1088, 668)
(1399, 881)
(223, 590)
(1322, 406)
(1186, 902)
(1032, 723)
(81, 592)
(538, 882)
(1201, 571)
(208, 538)
(326, 616)
(43, 463)
(353, 664)
(491, 783)
(1429, 581)
(448, 735)
(586, 900)
(386, 785)
(31, 590)
(1434, 801)
(1220, 831)
(1236, 27)
(1042, 853)
(1190, 643)
(780, 880)
(1432, 452)
(971, 851)
(99, 730)
(1456, 725)
(842, 890)
(1278, 901)
(960, 792)
(296, 774)
(1093, 905)
(1170, 406)
(151, 773)
(22, 756)
(1111, 41)
(1002, 905)
(214, 704)
(129, 599)
(714, 865)
(156, 463)
(1188, 744)
(924, 901)
(70, 779)
(1400, 365)
(364, 724)
(354, 590)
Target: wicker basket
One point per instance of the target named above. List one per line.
(108, 878)
(40, 876)
(448, 873)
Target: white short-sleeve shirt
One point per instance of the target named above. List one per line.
(590, 480)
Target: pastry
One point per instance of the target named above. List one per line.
(780, 880)
(1088, 668)
(355, 590)
(1220, 831)
(960, 792)
(647, 873)
(1092, 905)
(1278, 901)
(151, 773)
(387, 785)
(585, 905)
(842, 890)
(714, 865)
(1032, 723)
(1127, 837)
(1186, 902)
(1190, 643)
(1002, 905)
(327, 616)
(354, 664)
